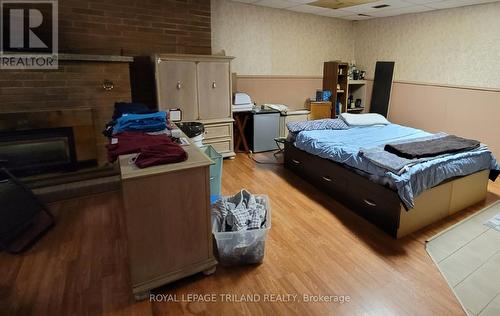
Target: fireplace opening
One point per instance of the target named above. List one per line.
(38, 151)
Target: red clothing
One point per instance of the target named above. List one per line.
(132, 142)
(160, 154)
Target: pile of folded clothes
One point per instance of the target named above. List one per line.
(137, 129)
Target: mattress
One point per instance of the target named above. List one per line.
(343, 146)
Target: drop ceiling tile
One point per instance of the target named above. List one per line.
(246, 1)
(396, 7)
(357, 17)
(336, 13)
(367, 8)
(301, 1)
(399, 11)
(278, 4)
(308, 9)
(446, 4)
(421, 1)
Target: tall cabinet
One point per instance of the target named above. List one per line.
(200, 86)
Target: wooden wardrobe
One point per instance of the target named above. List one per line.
(199, 85)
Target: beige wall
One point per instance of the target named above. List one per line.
(466, 112)
(290, 90)
(267, 41)
(454, 50)
(456, 46)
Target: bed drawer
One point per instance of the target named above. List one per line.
(322, 173)
(330, 182)
(376, 203)
(297, 160)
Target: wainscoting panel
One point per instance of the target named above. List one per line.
(464, 111)
(292, 91)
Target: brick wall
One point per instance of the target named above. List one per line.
(75, 85)
(107, 27)
(134, 27)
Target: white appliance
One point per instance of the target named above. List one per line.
(242, 102)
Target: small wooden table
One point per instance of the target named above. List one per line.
(240, 122)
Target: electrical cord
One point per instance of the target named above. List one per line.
(250, 155)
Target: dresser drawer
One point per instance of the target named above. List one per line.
(218, 130)
(221, 146)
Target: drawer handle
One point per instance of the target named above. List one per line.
(296, 162)
(214, 85)
(108, 85)
(369, 202)
(179, 85)
(327, 179)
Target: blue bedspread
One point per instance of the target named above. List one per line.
(343, 146)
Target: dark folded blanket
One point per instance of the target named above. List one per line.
(429, 148)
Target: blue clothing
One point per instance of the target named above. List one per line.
(152, 122)
(122, 108)
(343, 146)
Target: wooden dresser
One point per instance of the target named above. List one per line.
(199, 85)
(167, 213)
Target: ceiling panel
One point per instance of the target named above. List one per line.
(342, 4)
(279, 4)
(456, 3)
(357, 10)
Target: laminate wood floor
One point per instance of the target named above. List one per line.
(315, 246)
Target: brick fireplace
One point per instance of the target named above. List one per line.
(59, 115)
(106, 31)
(48, 141)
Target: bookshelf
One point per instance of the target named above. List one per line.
(336, 79)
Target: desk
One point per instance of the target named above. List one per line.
(292, 116)
(240, 122)
(167, 214)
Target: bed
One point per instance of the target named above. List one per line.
(399, 204)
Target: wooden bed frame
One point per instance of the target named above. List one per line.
(381, 205)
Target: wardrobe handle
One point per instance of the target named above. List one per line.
(369, 202)
(179, 85)
(296, 162)
(211, 178)
(214, 85)
(108, 85)
(327, 179)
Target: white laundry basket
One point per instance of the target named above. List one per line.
(242, 247)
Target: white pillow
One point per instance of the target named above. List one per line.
(364, 119)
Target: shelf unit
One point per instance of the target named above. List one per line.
(357, 88)
(335, 75)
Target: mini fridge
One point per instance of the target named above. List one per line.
(261, 130)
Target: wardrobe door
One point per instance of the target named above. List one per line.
(177, 87)
(213, 90)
